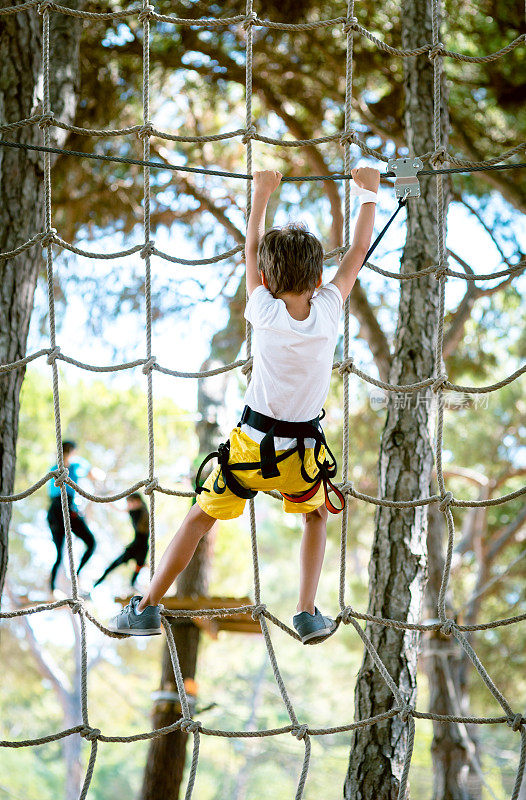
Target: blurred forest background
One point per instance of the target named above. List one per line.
(197, 87)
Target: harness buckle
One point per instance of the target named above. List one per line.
(405, 171)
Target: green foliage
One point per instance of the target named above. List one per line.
(197, 88)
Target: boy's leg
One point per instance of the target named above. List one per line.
(311, 556)
(310, 624)
(177, 556)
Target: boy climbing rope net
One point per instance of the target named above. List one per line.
(279, 443)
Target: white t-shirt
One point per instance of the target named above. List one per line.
(292, 358)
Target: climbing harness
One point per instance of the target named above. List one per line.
(269, 460)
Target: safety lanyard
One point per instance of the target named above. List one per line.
(401, 202)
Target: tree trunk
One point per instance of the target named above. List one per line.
(450, 744)
(21, 203)
(164, 769)
(397, 570)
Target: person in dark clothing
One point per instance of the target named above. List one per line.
(77, 468)
(138, 549)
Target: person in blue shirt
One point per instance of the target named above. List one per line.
(77, 468)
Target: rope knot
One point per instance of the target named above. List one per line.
(257, 610)
(441, 270)
(250, 20)
(61, 476)
(346, 366)
(76, 606)
(249, 133)
(90, 733)
(445, 501)
(49, 237)
(47, 118)
(300, 731)
(145, 130)
(438, 157)
(146, 12)
(436, 50)
(348, 488)
(189, 725)
(447, 627)
(247, 366)
(147, 250)
(440, 382)
(149, 365)
(516, 722)
(351, 25)
(45, 5)
(348, 137)
(53, 355)
(347, 614)
(406, 712)
(151, 486)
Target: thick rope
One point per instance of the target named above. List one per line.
(482, 166)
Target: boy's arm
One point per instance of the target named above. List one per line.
(351, 263)
(264, 184)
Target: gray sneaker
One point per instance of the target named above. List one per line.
(313, 628)
(147, 623)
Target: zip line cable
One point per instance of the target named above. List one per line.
(336, 176)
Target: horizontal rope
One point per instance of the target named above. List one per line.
(244, 734)
(254, 21)
(244, 176)
(342, 367)
(51, 237)
(342, 138)
(212, 613)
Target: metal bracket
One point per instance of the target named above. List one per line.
(166, 696)
(405, 172)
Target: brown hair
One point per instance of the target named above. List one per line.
(290, 259)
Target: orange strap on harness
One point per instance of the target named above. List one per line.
(328, 487)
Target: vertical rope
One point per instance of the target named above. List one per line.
(247, 139)
(522, 765)
(146, 252)
(437, 59)
(346, 242)
(51, 300)
(249, 21)
(46, 107)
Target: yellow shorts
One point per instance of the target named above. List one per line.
(227, 505)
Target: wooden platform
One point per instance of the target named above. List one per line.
(235, 623)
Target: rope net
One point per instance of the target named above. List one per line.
(438, 383)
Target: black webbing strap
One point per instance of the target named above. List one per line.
(288, 430)
(223, 456)
(401, 202)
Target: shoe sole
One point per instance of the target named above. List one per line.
(136, 631)
(322, 633)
